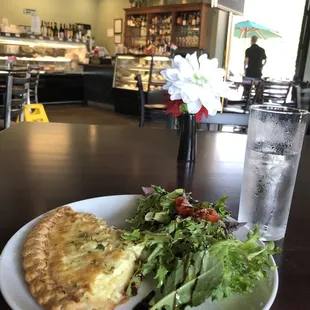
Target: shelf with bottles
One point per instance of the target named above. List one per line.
(160, 31)
(136, 26)
(187, 38)
(187, 31)
(190, 18)
(72, 32)
(161, 25)
(185, 25)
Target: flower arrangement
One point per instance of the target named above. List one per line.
(195, 86)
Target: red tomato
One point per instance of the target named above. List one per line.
(207, 215)
(184, 208)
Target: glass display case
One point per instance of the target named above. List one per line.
(125, 91)
(149, 67)
(51, 55)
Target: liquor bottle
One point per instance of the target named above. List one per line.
(184, 20)
(80, 33)
(51, 29)
(189, 20)
(61, 32)
(73, 32)
(155, 19)
(194, 20)
(65, 32)
(198, 19)
(48, 29)
(179, 19)
(55, 30)
(42, 28)
(70, 32)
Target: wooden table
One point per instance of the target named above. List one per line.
(47, 165)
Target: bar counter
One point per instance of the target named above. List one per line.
(93, 85)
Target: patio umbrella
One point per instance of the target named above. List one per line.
(247, 29)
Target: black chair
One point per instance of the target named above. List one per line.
(16, 96)
(231, 119)
(303, 97)
(250, 96)
(275, 91)
(147, 108)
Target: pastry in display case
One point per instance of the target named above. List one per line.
(50, 55)
(125, 85)
(149, 67)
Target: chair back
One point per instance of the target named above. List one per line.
(303, 97)
(17, 94)
(251, 94)
(274, 91)
(34, 71)
(234, 119)
(141, 99)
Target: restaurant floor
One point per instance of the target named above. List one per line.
(81, 114)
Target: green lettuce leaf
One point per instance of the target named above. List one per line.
(243, 263)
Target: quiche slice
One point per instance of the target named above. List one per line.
(76, 261)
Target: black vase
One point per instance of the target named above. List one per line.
(188, 138)
(185, 175)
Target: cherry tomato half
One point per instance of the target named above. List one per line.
(183, 207)
(207, 215)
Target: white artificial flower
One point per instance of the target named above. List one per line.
(197, 82)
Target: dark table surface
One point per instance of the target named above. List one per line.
(47, 165)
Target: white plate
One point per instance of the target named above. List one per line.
(113, 209)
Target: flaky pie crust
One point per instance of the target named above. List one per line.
(39, 271)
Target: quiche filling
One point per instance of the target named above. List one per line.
(75, 260)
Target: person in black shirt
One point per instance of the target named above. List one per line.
(255, 59)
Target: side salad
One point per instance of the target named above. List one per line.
(190, 250)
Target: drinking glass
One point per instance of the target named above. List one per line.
(274, 143)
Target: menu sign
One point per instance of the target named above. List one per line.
(235, 6)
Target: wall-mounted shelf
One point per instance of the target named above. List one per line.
(185, 25)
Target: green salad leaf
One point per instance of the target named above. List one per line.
(191, 256)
